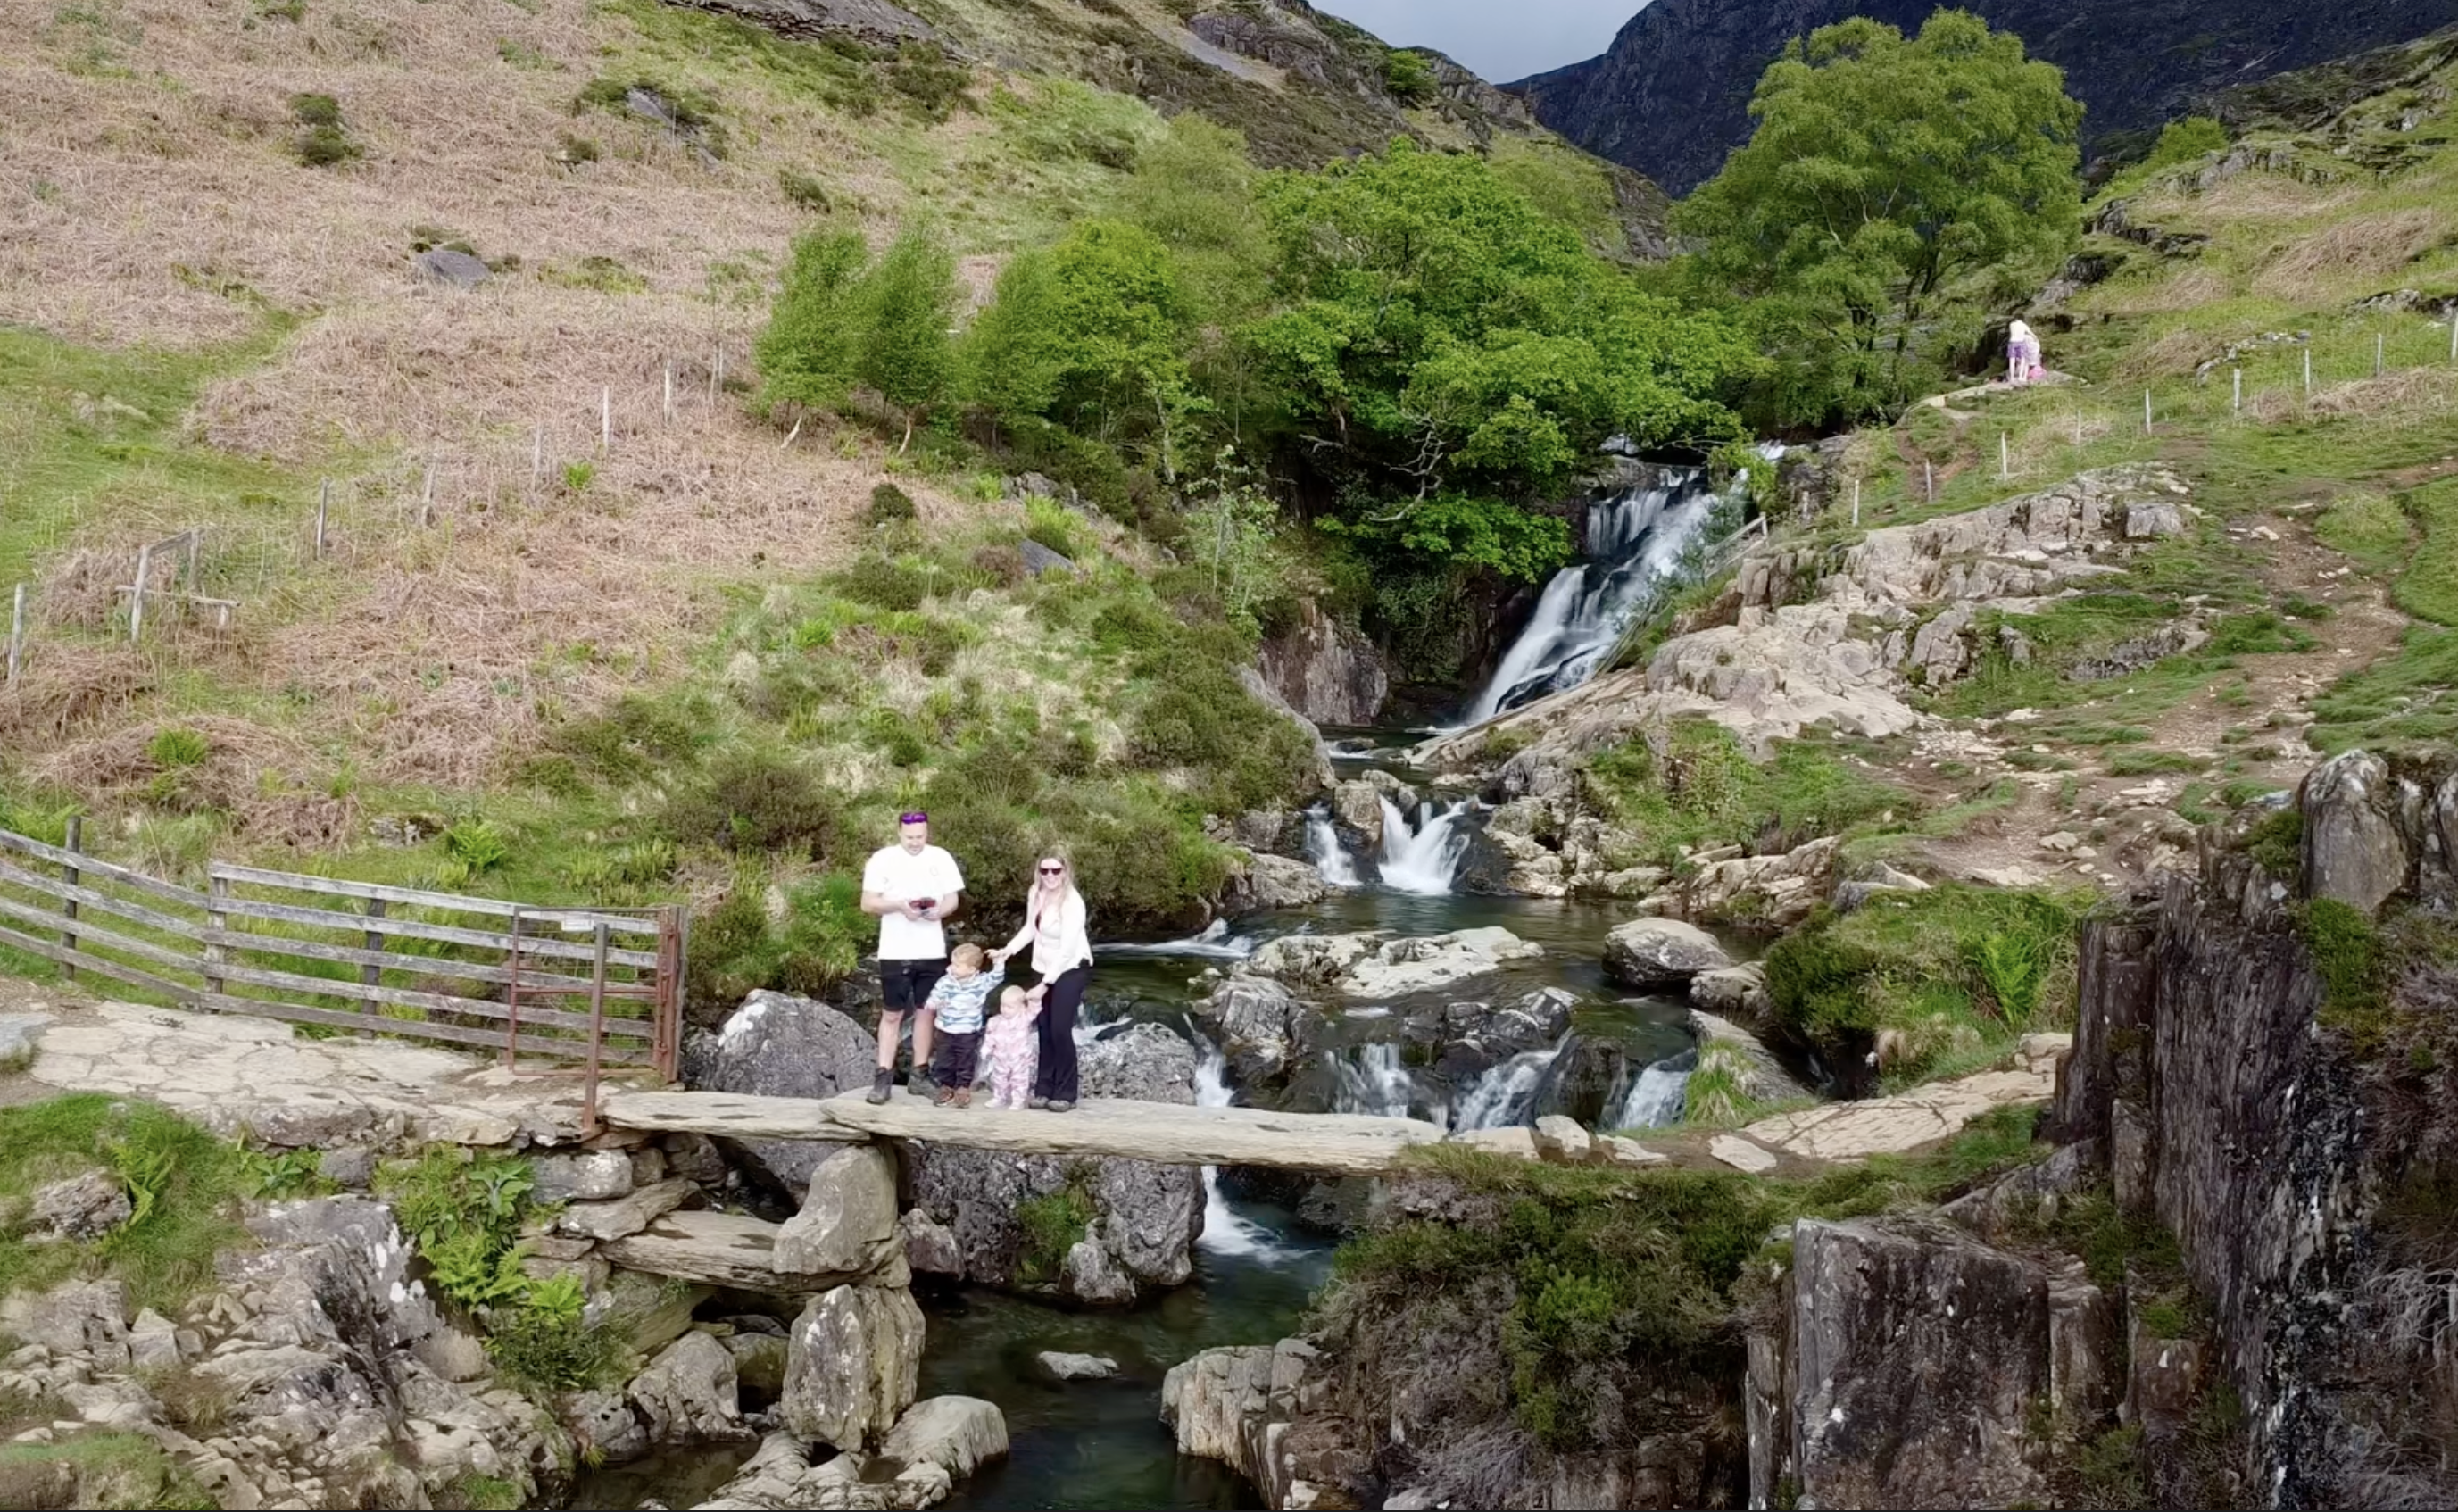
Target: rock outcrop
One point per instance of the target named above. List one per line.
(1139, 1220)
(1660, 953)
(853, 1365)
(1370, 967)
(777, 1045)
(1326, 671)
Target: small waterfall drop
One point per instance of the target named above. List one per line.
(1330, 857)
(1506, 1096)
(1375, 1083)
(1215, 943)
(1634, 543)
(1424, 857)
(1226, 1231)
(1656, 1098)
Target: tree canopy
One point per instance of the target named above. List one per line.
(1892, 188)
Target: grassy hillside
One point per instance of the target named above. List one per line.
(619, 645)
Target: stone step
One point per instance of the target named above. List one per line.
(713, 1249)
(1165, 1134)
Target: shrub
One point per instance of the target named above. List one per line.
(477, 847)
(908, 301)
(889, 502)
(324, 142)
(2276, 843)
(884, 583)
(1410, 78)
(2347, 955)
(932, 84)
(636, 738)
(811, 947)
(806, 355)
(1053, 1225)
(2185, 140)
(803, 191)
(754, 801)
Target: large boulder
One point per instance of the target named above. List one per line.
(853, 1365)
(2353, 852)
(777, 1045)
(687, 1394)
(1365, 965)
(1273, 881)
(1735, 993)
(1654, 953)
(1139, 1220)
(1729, 1053)
(847, 1224)
(1262, 1027)
(83, 1207)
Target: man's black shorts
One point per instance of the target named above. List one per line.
(903, 985)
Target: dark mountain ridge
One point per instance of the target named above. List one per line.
(1670, 99)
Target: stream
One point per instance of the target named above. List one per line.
(1621, 1063)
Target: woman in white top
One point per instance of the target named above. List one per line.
(2022, 352)
(1062, 956)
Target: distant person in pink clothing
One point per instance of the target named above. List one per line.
(1007, 1041)
(1062, 957)
(2022, 353)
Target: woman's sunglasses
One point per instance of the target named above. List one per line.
(1053, 871)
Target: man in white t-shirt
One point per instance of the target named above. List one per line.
(911, 885)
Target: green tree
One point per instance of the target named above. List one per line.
(2185, 140)
(907, 304)
(809, 352)
(1441, 332)
(1091, 333)
(1892, 191)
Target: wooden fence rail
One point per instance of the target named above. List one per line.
(476, 971)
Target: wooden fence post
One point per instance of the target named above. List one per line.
(426, 496)
(136, 595)
(2146, 412)
(596, 1028)
(2005, 459)
(68, 905)
(188, 567)
(606, 419)
(2377, 354)
(323, 502)
(16, 630)
(670, 390)
(2308, 372)
(2236, 402)
(372, 974)
(218, 889)
(537, 454)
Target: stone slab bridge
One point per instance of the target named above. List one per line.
(253, 1079)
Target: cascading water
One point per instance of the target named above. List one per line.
(1506, 1096)
(1225, 1230)
(1656, 1098)
(1375, 1082)
(1423, 856)
(1215, 943)
(1330, 857)
(1633, 542)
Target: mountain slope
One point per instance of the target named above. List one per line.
(1671, 97)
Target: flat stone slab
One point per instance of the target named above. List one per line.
(1887, 1125)
(1164, 1133)
(712, 1248)
(1741, 1155)
(236, 1074)
(726, 1115)
(624, 1216)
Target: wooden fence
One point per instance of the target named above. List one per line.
(363, 956)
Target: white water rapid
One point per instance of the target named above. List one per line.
(1633, 542)
(1330, 857)
(1215, 943)
(1655, 1098)
(1423, 856)
(1226, 1231)
(1505, 1096)
(1375, 1083)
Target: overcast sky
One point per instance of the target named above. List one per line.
(1501, 39)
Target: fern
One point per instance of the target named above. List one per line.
(2009, 965)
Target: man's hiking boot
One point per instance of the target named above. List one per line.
(1037, 1102)
(1060, 1105)
(880, 1082)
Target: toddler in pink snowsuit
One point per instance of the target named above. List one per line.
(1009, 1042)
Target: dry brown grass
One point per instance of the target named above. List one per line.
(2357, 249)
(2258, 198)
(156, 202)
(2187, 288)
(2179, 352)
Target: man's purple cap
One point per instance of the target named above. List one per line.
(917, 817)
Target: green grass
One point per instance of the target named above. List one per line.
(1936, 981)
(182, 1183)
(89, 436)
(1701, 789)
(2405, 700)
(1053, 1225)
(2429, 589)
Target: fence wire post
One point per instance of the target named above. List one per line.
(16, 630)
(2146, 412)
(216, 917)
(606, 419)
(2236, 403)
(537, 454)
(670, 390)
(2308, 372)
(596, 1029)
(1856, 503)
(2377, 353)
(68, 905)
(371, 975)
(2005, 459)
(427, 497)
(1928, 476)
(136, 595)
(324, 503)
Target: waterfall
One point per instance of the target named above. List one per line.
(1421, 858)
(1375, 1083)
(1505, 1095)
(1656, 1099)
(1634, 543)
(1226, 1230)
(1323, 845)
